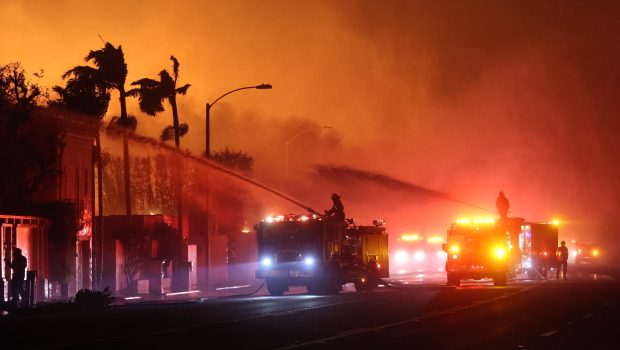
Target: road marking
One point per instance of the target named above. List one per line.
(353, 331)
(284, 313)
(410, 320)
(550, 333)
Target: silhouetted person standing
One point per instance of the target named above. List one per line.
(18, 265)
(337, 210)
(562, 256)
(335, 215)
(502, 204)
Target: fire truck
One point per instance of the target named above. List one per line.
(538, 242)
(485, 247)
(322, 255)
(477, 248)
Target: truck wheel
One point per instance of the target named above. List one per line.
(360, 286)
(315, 287)
(368, 283)
(453, 279)
(276, 287)
(332, 286)
(499, 279)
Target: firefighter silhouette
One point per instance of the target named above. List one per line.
(335, 215)
(18, 265)
(562, 257)
(336, 212)
(502, 204)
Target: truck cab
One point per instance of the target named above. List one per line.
(538, 243)
(477, 248)
(322, 255)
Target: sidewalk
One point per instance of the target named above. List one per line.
(231, 289)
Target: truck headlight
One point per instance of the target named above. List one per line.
(401, 257)
(266, 262)
(500, 253)
(309, 261)
(419, 255)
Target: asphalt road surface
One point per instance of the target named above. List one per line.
(582, 312)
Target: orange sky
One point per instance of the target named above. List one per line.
(463, 97)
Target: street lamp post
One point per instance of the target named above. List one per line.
(208, 114)
(208, 178)
(287, 142)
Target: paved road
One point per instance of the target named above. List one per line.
(583, 312)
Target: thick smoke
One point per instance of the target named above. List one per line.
(466, 98)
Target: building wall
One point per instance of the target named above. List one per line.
(74, 183)
(30, 235)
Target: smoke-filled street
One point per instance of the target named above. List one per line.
(285, 174)
(577, 313)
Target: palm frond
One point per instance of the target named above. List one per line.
(183, 89)
(150, 101)
(175, 67)
(167, 83)
(133, 92)
(167, 133)
(110, 61)
(118, 123)
(85, 72)
(183, 129)
(146, 82)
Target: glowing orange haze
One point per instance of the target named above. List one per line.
(467, 99)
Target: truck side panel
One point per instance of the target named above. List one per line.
(376, 246)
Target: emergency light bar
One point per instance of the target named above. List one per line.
(291, 217)
(476, 221)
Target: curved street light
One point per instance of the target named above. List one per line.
(208, 155)
(208, 114)
(287, 142)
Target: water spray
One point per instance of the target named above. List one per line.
(214, 165)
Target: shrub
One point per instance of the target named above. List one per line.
(92, 299)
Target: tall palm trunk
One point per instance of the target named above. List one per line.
(99, 245)
(177, 142)
(175, 120)
(126, 174)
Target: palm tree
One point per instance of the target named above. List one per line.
(152, 93)
(109, 73)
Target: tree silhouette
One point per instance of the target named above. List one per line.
(109, 73)
(235, 160)
(28, 157)
(152, 93)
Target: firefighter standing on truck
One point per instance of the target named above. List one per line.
(502, 204)
(562, 256)
(336, 212)
(336, 215)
